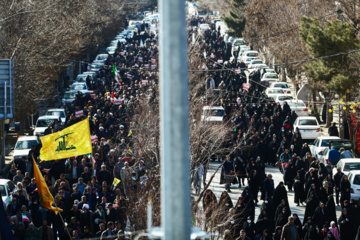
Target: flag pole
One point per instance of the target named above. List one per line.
(67, 230)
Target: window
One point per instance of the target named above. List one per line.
(283, 98)
(252, 54)
(56, 113)
(25, 144)
(325, 143)
(356, 180)
(2, 189)
(44, 122)
(351, 166)
(306, 122)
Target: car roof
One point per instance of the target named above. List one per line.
(328, 137)
(55, 109)
(355, 172)
(213, 107)
(21, 138)
(306, 117)
(3, 181)
(49, 117)
(346, 160)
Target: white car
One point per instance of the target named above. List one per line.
(213, 114)
(354, 179)
(308, 126)
(280, 98)
(282, 85)
(247, 54)
(255, 63)
(95, 67)
(111, 50)
(78, 86)
(271, 77)
(82, 77)
(273, 92)
(203, 27)
(43, 122)
(238, 42)
(6, 187)
(298, 106)
(23, 146)
(248, 60)
(267, 82)
(102, 57)
(346, 165)
(57, 112)
(320, 144)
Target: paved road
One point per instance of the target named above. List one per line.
(236, 191)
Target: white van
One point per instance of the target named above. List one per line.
(213, 114)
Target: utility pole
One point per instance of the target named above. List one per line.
(174, 126)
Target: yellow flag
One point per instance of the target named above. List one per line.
(45, 197)
(130, 132)
(72, 141)
(130, 150)
(116, 181)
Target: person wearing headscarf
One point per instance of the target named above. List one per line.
(280, 207)
(297, 223)
(248, 201)
(306, 226)
(312, 233)
(269, 207)
(334, 230)
(330, 236)
(224, 205)
(331, 208)
(282, 218)
(321, 216)
(289, 175)
(346, 225)
(279, 194)
(311, 204)
(266, 235)
(209, 204)
(277, 234)
(345, 190)
(254, 184)
(299, 180)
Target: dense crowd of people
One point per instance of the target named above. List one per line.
(94, 205)
(264, 136)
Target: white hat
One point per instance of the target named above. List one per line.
(86, 206)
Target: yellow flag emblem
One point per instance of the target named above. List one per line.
(72, 141)
(116, 181)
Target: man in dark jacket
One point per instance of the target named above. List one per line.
(333, 131)
(269, 186)
(290, 232)
(228, 170)
(337, 178)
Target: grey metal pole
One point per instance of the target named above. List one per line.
(174, 127)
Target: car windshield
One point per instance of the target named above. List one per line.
(56, 113)
(340, 144)
(78, 87)
(2, 189)
(351, 166)
(276, 91)
(252, 54)
(281, 85)
(44, 122)
(20, 145)
(69, 95)
(283, 98)
(311, 122)
(214, 112)
(272, 76)
(298, 104)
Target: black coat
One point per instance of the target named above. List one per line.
(311, 205)
(346, 227)
(321, 217)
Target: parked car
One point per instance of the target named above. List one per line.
(308, 126)
(298, 106)
(248, 60)
(282, 85)
(43, 122)
(69, 97)
(213, 114)
(273, 92)
(270, 77)
(320, 144)
(255, 63)
(111, 50)
(102, 57)
(354, 179)
(281, 98)
(346, 165)
(95, 67)
(82, 77)
(58, 112)
(78, 86)
(23, 146)
(7, 188)
(248, 54)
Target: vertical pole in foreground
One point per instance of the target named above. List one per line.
(174, 127)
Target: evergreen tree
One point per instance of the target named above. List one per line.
(235, 19)
(337, 73)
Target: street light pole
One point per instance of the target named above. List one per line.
(174, 127)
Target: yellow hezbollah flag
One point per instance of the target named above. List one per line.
(72, 141)
(116, 181)
(46, 199)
